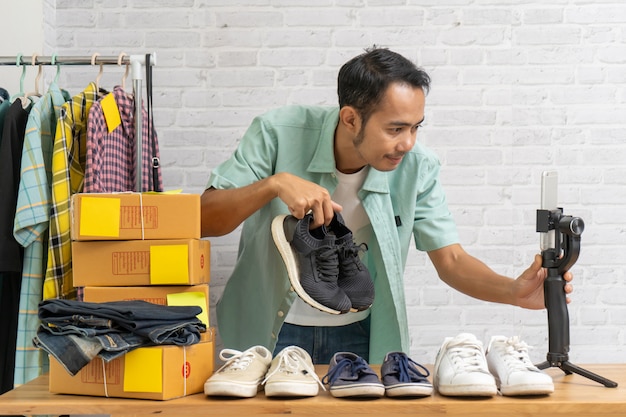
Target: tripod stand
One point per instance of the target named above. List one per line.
(557, 261)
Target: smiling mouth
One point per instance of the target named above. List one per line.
(395, 158)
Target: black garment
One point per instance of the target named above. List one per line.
(11, 252)
(11, 146)
(10, 283)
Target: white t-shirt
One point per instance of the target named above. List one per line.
(356, 219)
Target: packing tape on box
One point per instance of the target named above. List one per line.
(104, 374)
(143, 236)
(141, 216)
(185, 371)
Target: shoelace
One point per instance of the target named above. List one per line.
(235, 360)
(355, 368)
(516, 354)
(327, 263)
(349, 251)
(291, 362)
(468, 355)
(405, 370)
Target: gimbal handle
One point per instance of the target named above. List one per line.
(557, 261)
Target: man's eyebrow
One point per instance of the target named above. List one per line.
(399, 123)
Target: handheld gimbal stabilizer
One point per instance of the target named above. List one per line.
(558, 260)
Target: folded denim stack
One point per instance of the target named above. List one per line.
(75, 332)
(323, 264)
(463, 369)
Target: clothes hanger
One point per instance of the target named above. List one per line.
(35, 93)
(99, 76)
(20, 94)
(119, 62)
(53, 61)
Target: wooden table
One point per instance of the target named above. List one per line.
(574, 396)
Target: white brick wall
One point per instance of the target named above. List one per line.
(518, 87)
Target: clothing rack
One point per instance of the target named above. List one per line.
(136, 62)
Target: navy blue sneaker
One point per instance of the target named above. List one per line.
(349, 375)
(312, 263)
(403, 377)
(354, 277)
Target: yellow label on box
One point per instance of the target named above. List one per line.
(111, 112)
(190, 298)
(143, 370)
(169, 264)
(100, 217)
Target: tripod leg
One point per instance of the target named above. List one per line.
(569, 367)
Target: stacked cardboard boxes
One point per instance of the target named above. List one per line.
(134, 246)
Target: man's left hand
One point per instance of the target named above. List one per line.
(528, 287)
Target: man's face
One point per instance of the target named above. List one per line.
(391, 130)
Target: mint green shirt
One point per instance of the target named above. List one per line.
(299, 140)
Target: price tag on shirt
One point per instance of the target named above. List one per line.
(111, 112)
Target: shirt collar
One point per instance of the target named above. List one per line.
(324, 158)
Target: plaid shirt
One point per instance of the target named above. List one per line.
(31, 226)
(111, 160)
(68, 162)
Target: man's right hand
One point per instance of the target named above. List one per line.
(224, 210)
(302, 196)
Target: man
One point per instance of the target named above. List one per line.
(361, 159)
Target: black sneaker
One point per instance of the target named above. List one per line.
(404, 377)
(312, 262)
(354, 277)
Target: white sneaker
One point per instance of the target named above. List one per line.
(292, 374)
(241, 375)
(461, 368)
(515, 374)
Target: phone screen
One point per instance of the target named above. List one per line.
(549, 201)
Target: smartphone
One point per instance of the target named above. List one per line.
(549, 201)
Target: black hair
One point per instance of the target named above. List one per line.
(363, 81)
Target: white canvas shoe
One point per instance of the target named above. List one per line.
(241, 375)
(292, 374)
(461, 368)
(515, 374)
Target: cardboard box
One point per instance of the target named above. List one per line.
(154, 373)
(156, 294)
(141, 262)
(126, 216)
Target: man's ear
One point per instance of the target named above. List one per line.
(350, 119)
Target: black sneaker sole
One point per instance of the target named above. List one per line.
(293, 271)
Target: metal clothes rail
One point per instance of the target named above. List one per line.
(136, 62)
